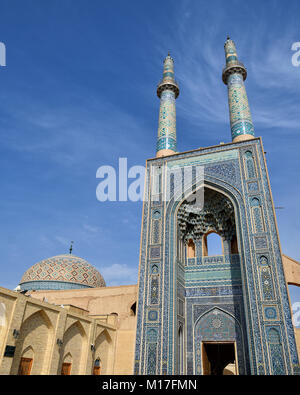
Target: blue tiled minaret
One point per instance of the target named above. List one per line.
(168, 92)
(234, 75)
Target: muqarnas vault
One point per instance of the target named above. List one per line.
(198, 314)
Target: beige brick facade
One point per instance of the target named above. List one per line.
(90, 324)
(41, 326)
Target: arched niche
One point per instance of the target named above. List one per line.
(214, 327)
(36, 338)
(103, 344)
(75, 345)
(191, 249)
(133, 309)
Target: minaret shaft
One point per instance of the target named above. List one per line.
(166, 139)
(167, 91)
(234, 75)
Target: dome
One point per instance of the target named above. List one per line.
(61, 272)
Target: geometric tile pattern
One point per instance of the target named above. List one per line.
(68, 269)
(248, 288)
(167, 122)
(240, 116)
(166, 136)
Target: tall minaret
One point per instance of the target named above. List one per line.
(167, 91)
(234, 75)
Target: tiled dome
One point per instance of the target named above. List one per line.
(61, 272)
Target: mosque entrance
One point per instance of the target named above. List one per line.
(218, 359)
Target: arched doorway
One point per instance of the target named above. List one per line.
(102, 347)
(219, 343)
(74, 346)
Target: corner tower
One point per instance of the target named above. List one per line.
(234, 75)
(167, 91)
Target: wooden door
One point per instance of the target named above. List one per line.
(66, 369)
(96, 371)
(25, 366)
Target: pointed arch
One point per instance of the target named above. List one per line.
(68, 358)
(171, 247)
(103, 345)
(74, 345)
(133, 309)
(36, 336)
(215, 326)
(28, 352)
(191, 249)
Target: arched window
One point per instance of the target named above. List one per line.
(133, 309)
(97, 367)
(212, 244)
(250, 167)
(191, 250)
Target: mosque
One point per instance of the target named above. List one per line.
(191, 312)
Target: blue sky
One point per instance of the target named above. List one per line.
(78, 92)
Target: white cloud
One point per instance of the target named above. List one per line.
(119, 274)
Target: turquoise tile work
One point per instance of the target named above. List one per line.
(61, 272)
(167, 91)
(188, 297)
(234, 75)
(238, 297)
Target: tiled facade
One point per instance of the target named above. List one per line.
(186, 298)
(51, 335)
(167, 91)
(234, 75)
(240, 298)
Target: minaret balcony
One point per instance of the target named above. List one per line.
(236, 67)
(168, 85)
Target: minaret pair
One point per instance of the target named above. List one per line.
(234, 75)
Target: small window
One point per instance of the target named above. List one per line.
(133, 309)
(191, 250)
(212, 244)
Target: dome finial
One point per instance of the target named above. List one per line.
(71, 247)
